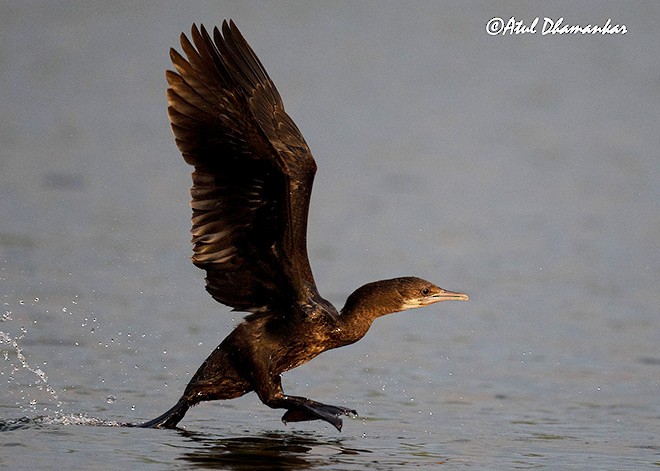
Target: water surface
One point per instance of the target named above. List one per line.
(521, 170)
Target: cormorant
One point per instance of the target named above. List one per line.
(252, 181)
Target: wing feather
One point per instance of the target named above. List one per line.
(253, 172)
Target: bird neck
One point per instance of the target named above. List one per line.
(354, 324)
(362, 307)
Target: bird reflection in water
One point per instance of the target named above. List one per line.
(267, 451)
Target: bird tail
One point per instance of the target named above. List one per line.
(170, 418)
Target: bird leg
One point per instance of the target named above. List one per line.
(300, 409)
(170, 418)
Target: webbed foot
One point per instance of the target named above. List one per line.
(307, 409)
(170, 418)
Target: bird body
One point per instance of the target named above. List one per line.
(252, 183)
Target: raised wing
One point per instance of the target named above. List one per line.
(253, 173)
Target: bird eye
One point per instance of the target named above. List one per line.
(426, 291)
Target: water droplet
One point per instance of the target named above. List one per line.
(110, 399)
(41, 374)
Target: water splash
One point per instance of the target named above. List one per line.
(42, 381)
(60, 419)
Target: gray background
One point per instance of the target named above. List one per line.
(522, 170)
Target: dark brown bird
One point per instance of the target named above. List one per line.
(250, 198)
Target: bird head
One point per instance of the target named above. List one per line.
(398, 294)
(416, 292)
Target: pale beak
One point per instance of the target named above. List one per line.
(445, 295)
